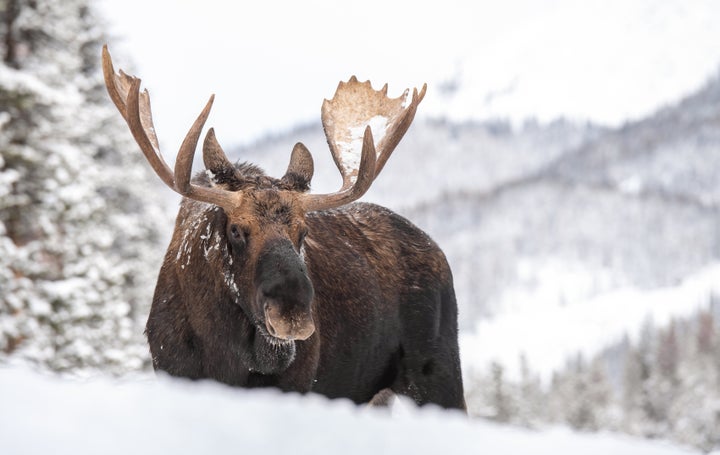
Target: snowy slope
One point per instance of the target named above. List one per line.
(618, 231)
(549, 334)
(41, 415)
(434, 158)
(605, 61)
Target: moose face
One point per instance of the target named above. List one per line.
(265, 233)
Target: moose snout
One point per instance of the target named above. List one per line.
(287, 307)
(285, 292)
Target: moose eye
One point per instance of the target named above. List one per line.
(238, 236)
(301, 237)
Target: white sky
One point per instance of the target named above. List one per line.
(270, 63)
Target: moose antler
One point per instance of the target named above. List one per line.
(349, 120)
(134, 106)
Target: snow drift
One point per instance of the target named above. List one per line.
(42, 414)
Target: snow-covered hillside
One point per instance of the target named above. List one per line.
(549, 334)
(608, 62)
(43, 414)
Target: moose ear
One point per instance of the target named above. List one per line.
(220, 167)
(213, 155)
(300, 170)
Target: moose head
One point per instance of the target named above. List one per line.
(265, 225)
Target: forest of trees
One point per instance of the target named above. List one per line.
(664, 384)
(79, 228)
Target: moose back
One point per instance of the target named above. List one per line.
(266, 284)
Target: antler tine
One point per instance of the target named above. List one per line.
(133, 119)
(137, 114)
(134, 106)
(183, 168)
(354, 108)
(398, 129)
(111, 82)
(365, 177)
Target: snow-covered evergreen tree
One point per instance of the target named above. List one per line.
(79, 227)
(500, 397)
(531, 402)
(490, 395)
(581, 395)
(634, 396)
(665, 385)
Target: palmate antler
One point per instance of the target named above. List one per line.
(349, 119)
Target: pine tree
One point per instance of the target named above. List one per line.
(661, 388)
(668, 386)
(531, 404)
(668, 353)
(636, 373)
(579, 407)
(706, 333)
(77, 228)
(694, 410)
(501, 399)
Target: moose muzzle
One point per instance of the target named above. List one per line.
(285, 292)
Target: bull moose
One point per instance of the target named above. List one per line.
(267, 285)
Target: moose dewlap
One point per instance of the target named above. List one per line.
(265, 284)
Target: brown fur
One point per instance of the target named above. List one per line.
(373, 290)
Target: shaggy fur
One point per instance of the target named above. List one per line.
(379, 292)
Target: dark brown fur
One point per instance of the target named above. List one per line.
(381, 298)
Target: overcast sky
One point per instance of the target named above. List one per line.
(271, 63)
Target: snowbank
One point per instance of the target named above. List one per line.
(43, 415)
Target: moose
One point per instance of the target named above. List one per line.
(265, 284)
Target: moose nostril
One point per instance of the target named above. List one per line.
(270, 328)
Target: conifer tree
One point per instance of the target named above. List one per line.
(77, 228)
(531, 405)
(501, 400)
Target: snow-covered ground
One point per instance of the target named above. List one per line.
(48, 415)
(550, 324)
